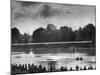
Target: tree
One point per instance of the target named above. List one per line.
(88, 33)
(78, 34)
(26, 38)
(54, 34)
(39, 35)
(51, 34)
(15, 35)
(67, 34)
(51, 27)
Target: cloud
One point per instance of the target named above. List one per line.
(23, 11)
(51, 10)
(45, 12)
(20, 9)
(36, 10)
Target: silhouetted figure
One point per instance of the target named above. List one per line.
(62, 69)
(65, 69)
(90, 68)
(71, 69)
(44, 69)
(40, 68)
(77, 67)
(84, 68)
(51, 69)
(31, 68)
(80, 68)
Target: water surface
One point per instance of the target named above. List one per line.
(57, 59)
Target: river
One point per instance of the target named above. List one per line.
(57, 59)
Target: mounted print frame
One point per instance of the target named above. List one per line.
(52, 37)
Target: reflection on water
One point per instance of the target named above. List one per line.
(57, 59)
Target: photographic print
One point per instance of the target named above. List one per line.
(52, 37)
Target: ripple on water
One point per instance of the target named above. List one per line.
(60, 59)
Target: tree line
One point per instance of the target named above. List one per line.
(52, 34)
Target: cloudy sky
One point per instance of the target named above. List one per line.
(28, 16)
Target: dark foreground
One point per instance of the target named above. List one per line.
(27, 69)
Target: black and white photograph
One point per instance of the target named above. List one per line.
(52, 37)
